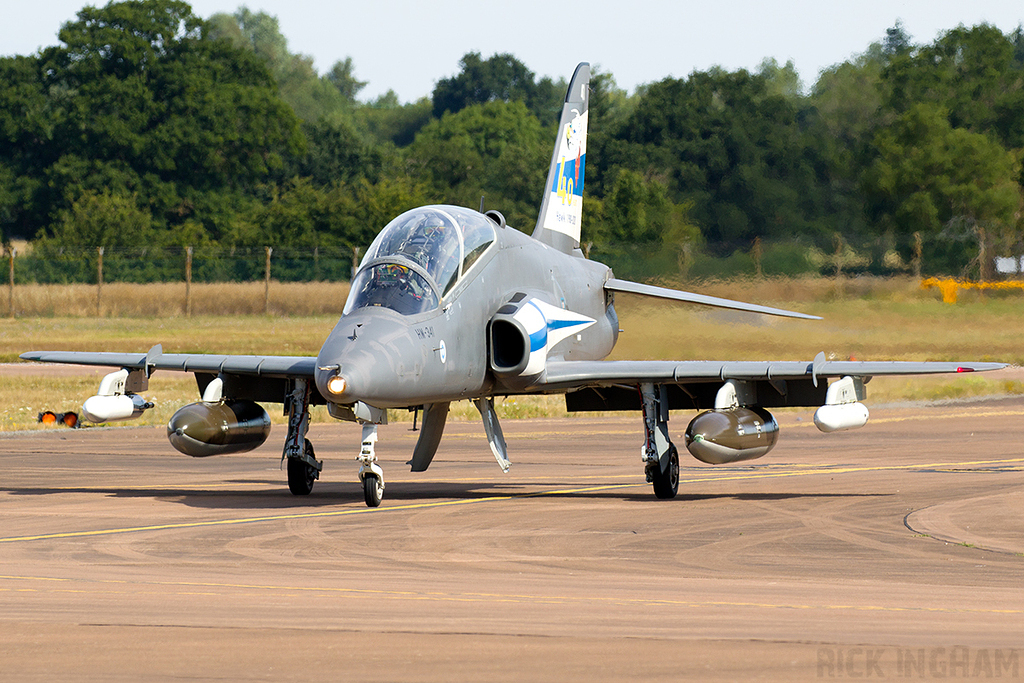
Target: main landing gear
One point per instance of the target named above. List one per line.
(659, 454)
(303, 467)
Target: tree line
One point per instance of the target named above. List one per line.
(148, 126)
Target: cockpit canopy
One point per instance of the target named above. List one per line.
(419, 257)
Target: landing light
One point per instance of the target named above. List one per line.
(336, 385)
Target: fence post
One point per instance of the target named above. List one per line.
(984, 270)
(266, 283)
(99, 279)
(918, 249)
(11, 251)
(188, 282)
(838, 240)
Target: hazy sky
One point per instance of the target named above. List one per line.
(407, 45)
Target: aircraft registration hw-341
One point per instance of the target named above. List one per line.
(450, 304)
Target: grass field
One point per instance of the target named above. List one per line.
(866, 320)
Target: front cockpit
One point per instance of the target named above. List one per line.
(418, 258)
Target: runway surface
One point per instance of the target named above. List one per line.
(895, 551)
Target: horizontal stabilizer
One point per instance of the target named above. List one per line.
(615, 285)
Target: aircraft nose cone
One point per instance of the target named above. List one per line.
(336, 383)
(346, 359)
(364, 357)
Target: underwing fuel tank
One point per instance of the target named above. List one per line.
(204, 429)
(724, 436)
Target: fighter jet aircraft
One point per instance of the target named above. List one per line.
(451, 304)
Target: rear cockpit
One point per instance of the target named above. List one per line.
(419, 257)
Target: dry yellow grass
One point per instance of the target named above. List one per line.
(127, 300)
(899, 325)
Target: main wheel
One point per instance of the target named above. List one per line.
(300, 474)
(666, 484)
(373, 490)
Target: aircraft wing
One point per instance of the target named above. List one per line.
(263, 366)
(558, 374)
(566, 375)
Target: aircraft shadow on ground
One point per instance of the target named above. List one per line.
(332, 494)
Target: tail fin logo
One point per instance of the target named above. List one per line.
(569, 178)
(570, 183)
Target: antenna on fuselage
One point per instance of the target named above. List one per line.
(482, 203)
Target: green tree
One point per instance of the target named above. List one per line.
(377, 203)
(781, 80)
(930, 177)
(897, 41)
(310, 95)
(389, 122)
(103, 219)
(338, 152)
(497, 149)
(735, 151)
(141, 102)
(501, 78)
(299, 214)
(975, 74)
(342, 76)
(845, 113)
(638, 230)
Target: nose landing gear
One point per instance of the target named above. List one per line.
(370, 473)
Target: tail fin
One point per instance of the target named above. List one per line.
(558, 224)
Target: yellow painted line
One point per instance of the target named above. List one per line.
(248, 520)
(830, 469)
(800, 472)
(196, 588)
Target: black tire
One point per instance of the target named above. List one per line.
(373, 490)
(666, 484)
(301, 475)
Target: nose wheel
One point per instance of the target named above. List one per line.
(373, 490)
(370, 472)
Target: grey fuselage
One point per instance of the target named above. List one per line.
(392, 360)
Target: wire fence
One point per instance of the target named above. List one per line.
(92, 265)
(46, 280)
(826, 256)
